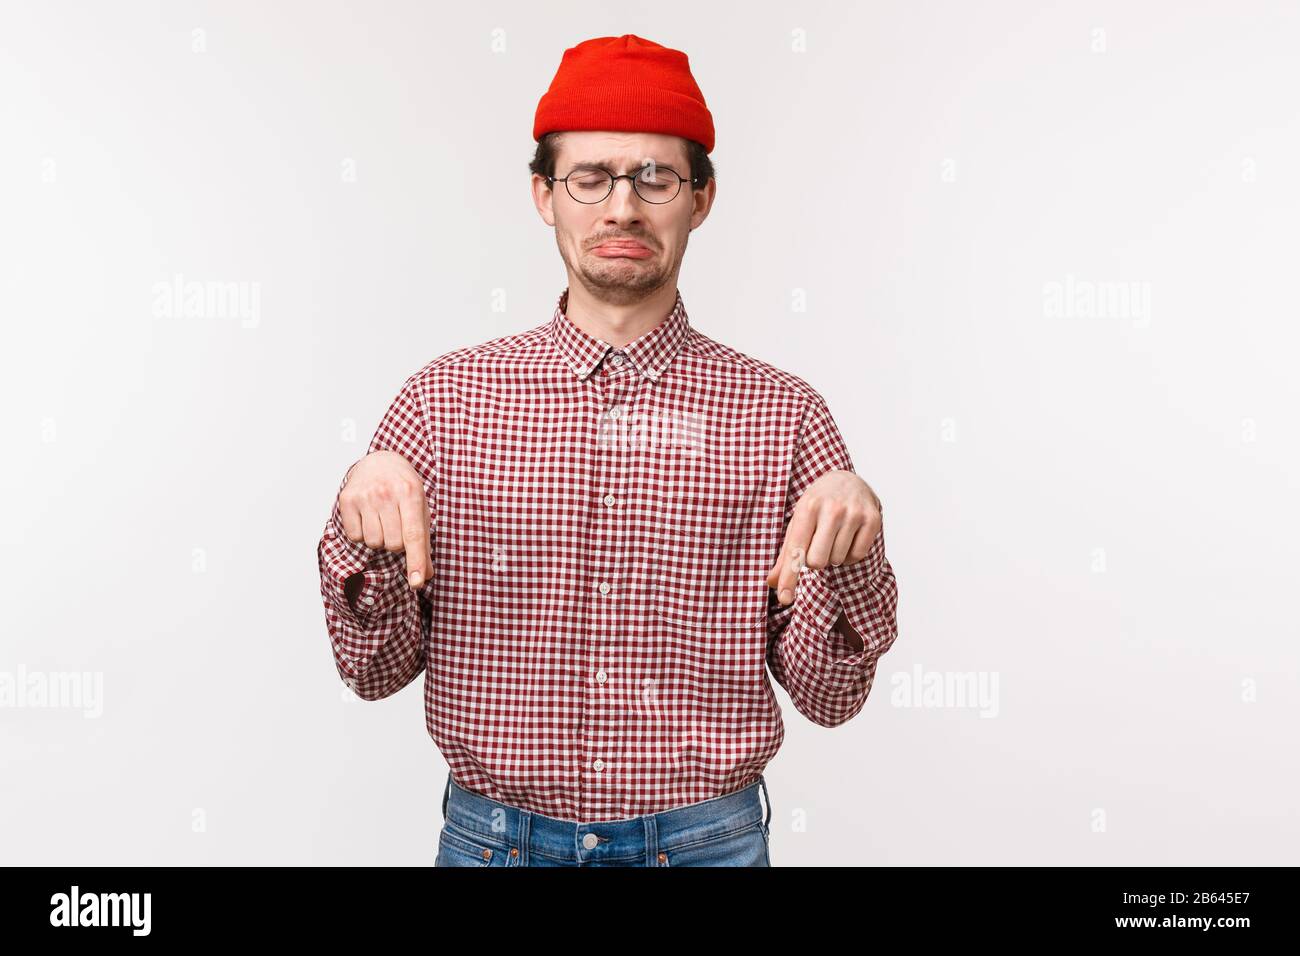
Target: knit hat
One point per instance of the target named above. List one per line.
(627, 84)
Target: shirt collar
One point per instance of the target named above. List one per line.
(650, 354)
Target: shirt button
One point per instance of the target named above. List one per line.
(604, 587)
(367, 600)
(608, 499)
(601, 677)
(616, 359)
(615, 411)
(590, 841)
(599, 764)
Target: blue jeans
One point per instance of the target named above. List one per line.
(730, 830)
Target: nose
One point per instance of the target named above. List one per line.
(623, 206)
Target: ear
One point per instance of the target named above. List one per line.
(543, 198)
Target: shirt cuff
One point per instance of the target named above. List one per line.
(850, 589)
(384, 570)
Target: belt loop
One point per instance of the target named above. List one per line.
(525, 835)
(445, 794)
(651, 840)
(767, 800)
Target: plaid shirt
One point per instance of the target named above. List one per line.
(597, 635)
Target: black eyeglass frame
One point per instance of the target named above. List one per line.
(613, 181)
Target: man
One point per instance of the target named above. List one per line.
(588, 535)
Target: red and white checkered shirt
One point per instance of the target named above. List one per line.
(597, 635)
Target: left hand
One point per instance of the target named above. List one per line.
(835, 521)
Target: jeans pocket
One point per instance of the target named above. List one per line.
(460, 847)
(744, 847)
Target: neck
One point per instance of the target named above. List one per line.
(619, 323)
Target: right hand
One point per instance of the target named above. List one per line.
(383, 505)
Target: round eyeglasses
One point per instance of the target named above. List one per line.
(593, 184)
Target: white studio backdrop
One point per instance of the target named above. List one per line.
(1039, 258)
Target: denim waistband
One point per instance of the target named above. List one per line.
(629, 839)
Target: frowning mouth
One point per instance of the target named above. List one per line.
(625, 248)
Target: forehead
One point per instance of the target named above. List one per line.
(620, 151)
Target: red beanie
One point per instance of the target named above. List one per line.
(626, 84)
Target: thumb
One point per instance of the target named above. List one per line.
(774, 574)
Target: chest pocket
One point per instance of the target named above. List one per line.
(715, 523)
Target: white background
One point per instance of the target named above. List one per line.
(1095, 509)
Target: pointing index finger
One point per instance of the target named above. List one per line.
(415, 536)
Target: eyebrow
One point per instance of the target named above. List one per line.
(609, 164)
